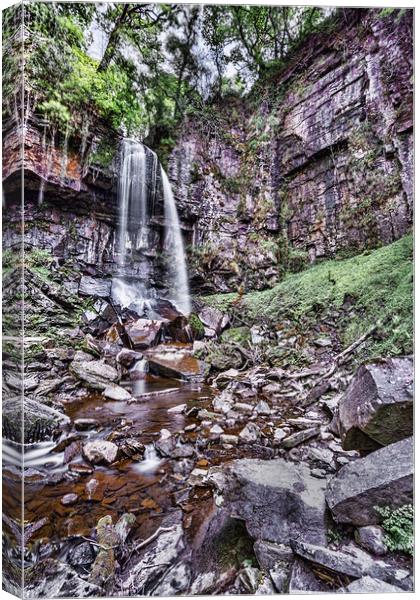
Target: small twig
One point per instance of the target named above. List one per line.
(340, 357)
(151, 538)
(99, 545)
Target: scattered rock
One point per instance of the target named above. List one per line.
(117, 393)
(263, 408)
(212, 318)
(372, 539)
(279, 434)
(383, 478)
(127, 357)
(229, 439)
(303, 580)
(377, 408)
(197, 476)
(82, 555)
(216, 430)
(54, 579)
(154, 562)
(85, 424)
(250, 433)
(298, 438)
(268, 553)
(100, 451)
(69, 499)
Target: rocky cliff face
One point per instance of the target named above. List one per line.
(316, 162)
(321, 165)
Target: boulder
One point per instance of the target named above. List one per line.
(353, 563)
(116, 392)
(176, 363)
(303, 580)
(383, 478)
(154, 563)
(127, 357)
(372, 539)
(278, 500)
(144, 333)
(92, 286)
(95, 374)
(212, 318)
(179, 330)
(51, 578)
(100, 451)
(377, 408)
(369, 585)
(40, 421)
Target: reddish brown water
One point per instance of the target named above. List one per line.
(123, 487)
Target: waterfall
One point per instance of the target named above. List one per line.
(132, 197)
(173, 242)
(137, 191)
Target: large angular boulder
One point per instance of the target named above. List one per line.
(144, 333)
(377, 408)
(95, 373)
(279, 501)
(40, 421)
(383, 478)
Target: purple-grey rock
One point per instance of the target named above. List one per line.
(279, 501)
(377, 408)
(383, 478)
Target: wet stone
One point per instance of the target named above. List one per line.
(69, 499)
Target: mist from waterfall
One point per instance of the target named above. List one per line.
(137, 191)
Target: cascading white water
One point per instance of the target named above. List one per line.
(173, 240)
(136, 196)
(132, 197)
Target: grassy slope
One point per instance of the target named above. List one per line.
(380, 282)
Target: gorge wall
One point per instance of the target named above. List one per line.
(315, 163)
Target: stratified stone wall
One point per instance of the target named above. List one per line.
(322, 165)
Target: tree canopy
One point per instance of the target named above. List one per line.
(159, 61)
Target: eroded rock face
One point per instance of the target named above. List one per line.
(315, 156)
(383, 478)
(377, 408)
(279, 501)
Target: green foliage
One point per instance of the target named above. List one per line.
(196, 326)
(399, 527)
(334, 536)
(236, 334)
(380, 282)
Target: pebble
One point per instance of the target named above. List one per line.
(69, 499)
